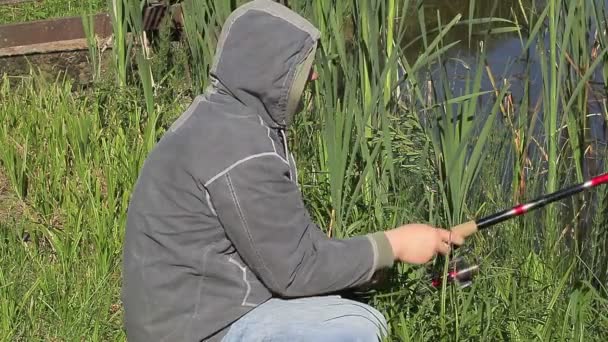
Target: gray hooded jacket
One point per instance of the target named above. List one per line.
(216, 224)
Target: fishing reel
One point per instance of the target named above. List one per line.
(460, 273)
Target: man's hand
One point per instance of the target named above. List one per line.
(419, 243)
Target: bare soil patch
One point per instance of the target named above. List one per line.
(11, 208)
(75, 65)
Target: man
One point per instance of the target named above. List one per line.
(219, 245)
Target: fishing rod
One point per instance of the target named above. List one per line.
(460, 272)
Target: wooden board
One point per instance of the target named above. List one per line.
(67, 33)
(49, 35)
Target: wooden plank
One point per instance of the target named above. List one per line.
(65, 45)
(68, 33)
(51, 31)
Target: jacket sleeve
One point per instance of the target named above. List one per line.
(264, 216)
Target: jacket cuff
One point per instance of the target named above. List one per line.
(385, 256)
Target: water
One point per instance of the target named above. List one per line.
(506, 60)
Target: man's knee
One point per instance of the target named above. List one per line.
(358, 322)
(320, 319)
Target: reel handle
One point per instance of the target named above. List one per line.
(466, 229)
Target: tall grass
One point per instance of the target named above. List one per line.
(77, 181)
(202, 26)
(121, 46)
(568, 65)
(353, 106)
(390, 136)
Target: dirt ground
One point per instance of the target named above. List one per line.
(10, 206)
(74, 64)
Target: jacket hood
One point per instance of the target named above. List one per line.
(263, 59)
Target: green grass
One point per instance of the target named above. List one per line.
(371, 155)
(40, 10)
(76, 182)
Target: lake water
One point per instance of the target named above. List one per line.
(507, 61)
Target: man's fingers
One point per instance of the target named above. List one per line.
(456, 239)
(451, 237)
(443, 247)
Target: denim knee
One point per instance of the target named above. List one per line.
(319, 319)
(359, 322)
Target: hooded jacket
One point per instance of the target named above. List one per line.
(216, 224)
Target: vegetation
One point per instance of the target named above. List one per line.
(39, 10)
(391, 135)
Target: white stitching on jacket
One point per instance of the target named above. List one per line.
(245, 225)
(274, 147)
(208, 196)
(248, 292)
(238, 162)
(287, 154)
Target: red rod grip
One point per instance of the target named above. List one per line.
(599, 180)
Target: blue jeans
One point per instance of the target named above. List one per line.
(320, 319)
